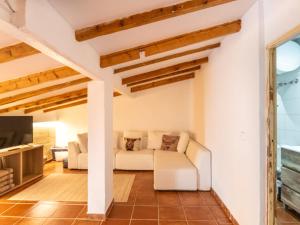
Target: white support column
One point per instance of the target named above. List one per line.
(100, 168)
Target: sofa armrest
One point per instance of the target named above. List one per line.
(201, 158)
(73, 152)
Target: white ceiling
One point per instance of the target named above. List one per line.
(82, 13)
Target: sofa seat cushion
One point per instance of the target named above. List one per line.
(173, 171)
(134, 160)
(83, 161)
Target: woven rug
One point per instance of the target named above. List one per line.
(72, 187)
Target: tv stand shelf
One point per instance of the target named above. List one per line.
(26, 161)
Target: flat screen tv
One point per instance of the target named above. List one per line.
(15, 130)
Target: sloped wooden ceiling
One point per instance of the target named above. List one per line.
(161, 61)
(136, 58)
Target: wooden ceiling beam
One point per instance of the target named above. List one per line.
(36, 78)
(162, 82)
(193, 51)
(16, 51)
(145, 18)
(170, 43)
(66, 105)
(193, 69)
(163, 71)
(47, 100)
(52, 104)
(30, 94)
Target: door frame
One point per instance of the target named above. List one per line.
(271, 121)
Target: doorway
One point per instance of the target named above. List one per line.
(283, 126)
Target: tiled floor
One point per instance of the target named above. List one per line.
(286, 217)
(144, 207)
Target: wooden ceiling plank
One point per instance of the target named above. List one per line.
(192, 51)
(45, 100)
(52, 104)
(145, 18)
(30, 94)
(56, 98)
(163, 71)
(36, 78)
(66, 105)
(193, 69)
(170, 43)
(162, 82)
(16, 51)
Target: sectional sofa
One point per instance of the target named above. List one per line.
(188, 168)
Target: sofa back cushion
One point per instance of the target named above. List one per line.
(183, 142)
(83, 142)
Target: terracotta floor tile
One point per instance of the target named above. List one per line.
(67, 211)
(31, 221)
(59, 222)
(5, 206)
(217, 212)
(115, 222)
(168, 198)
(83, 215)
(120, 212)
(198, 213)
(8, 220)
(171, 213)
(87, 222)
(224, 221)
(203, 222)
(191, 199)
(18, 210)
(43, 210)
(144, 222)
(145, 212)
(173, 222)
(146, 199)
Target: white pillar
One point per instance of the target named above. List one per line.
(100, 168)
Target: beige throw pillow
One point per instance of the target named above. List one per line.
(132, 144)
(169, 143)
(83, 142)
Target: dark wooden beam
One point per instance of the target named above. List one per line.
(16, 51)
(193, 51)
(66, 105)
(163, 71)
(162, 82)
(36, 79)
(170, 43)
(193, 69)
(145, 18)
(30, 94)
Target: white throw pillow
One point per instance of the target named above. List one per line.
(183, 142)
(83, 142)
(155, 139)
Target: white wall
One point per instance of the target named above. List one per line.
(73, 120)
(168, 107)
(230, 124)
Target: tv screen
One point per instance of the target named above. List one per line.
(15, 130)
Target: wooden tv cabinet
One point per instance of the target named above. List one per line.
(26, 161)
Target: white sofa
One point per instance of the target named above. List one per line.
(189, 168)
(78, 153)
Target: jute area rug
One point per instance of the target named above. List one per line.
(72, 187)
